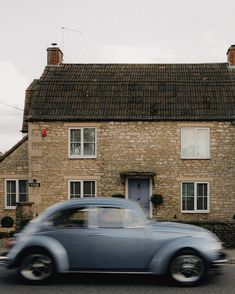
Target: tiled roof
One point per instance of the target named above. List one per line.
(77, 92)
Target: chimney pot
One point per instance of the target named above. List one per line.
(231, 56)
(54, 56)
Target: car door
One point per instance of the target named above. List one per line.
(71, 229)
(119, 242)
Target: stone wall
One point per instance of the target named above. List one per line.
(135, 146)
(14, 166)
(224, 230)
(24, 213)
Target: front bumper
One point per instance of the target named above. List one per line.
(218, 262)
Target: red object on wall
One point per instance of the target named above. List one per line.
(44, 132)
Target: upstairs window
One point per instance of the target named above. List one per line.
(15, 191)
(82, 142)
(195, 197)
(195, 143)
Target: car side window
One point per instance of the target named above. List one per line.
(109, 217)
(75, 217)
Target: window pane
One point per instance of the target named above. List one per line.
(89, 189)
(188, 142)
(89, 135)
(202, 193)
(75, 136)
(89, 149)
(23, 191)
(75, 149)
(202, 143)
(202, 189)
(205, 201)
(109, 217)
(202, 203)
(188, 203)
(75, 190)
(188, 189)
(11, 193)
(71, 218)
(93, 188)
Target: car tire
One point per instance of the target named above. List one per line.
(37, 267)
(187, 268)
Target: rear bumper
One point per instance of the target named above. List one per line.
(3, 260)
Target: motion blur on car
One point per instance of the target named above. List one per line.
(111, 235)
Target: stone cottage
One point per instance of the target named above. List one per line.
(132, 129)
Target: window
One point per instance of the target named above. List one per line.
(15, 191)
(195, 197)
(195, 143)
(82, 142)
(79, 189)
(114, 217)
(74, 218)
(109, 217)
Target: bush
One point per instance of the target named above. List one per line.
(7, 222)
(118, 195)
(6, 235)
(156, 199)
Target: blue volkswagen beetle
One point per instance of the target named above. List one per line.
(111, 235)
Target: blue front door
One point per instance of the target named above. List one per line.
(138, 190)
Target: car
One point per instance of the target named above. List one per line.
(111, 235)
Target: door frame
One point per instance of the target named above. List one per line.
(150, 190)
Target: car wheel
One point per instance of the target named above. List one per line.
(187, 268)
(37, 267)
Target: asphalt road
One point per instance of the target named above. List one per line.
(112, 284)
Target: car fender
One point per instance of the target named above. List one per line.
(161, 259)
(51, 245)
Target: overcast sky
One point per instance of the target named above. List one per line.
(103, 31)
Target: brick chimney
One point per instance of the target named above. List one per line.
(54, 55)
(231, 56)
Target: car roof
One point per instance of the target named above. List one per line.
(114, 201)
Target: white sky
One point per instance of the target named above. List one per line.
(148, 31)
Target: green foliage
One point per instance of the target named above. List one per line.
(9, 234)
(7, 222)
(157, 199)
(118, 195)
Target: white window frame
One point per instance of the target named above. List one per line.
(82, 142)
(17, 191)
(195, 197)
(82, 187)
(195, 145)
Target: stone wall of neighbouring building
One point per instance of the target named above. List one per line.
(135, 146)
(13, 165)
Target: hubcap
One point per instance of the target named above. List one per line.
(36, 267)
(187, 268)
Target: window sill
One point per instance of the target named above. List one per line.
(10, 208)
(195, 158)
(196, 211)
(82, 157)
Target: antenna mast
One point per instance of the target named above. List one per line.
(63, 34)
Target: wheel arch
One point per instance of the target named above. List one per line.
(41, 243)
(162, 258)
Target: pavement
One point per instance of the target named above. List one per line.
(230, 252)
